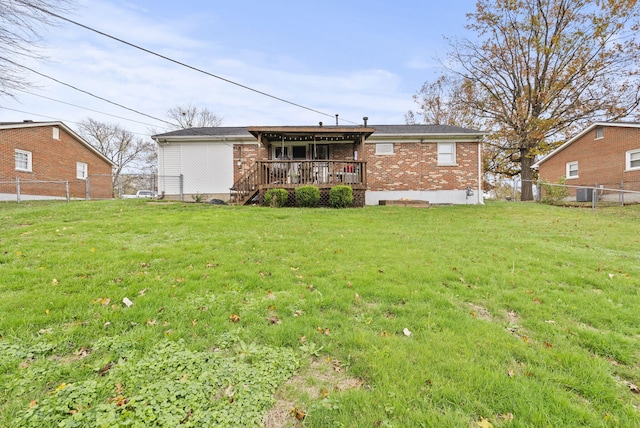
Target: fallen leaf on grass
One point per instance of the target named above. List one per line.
(611, 276)
(143, 291)
(33, 403)
(47, 311)
(506, 416)
(633, 388)
(484, 423)
(406, 332)
(297, 413)
(234, 318)
(297, 313)
(326, 331)
(511, 373)
(270, 295)
(273, 320)
(103, 371)
(194, 322)
(128, 303)
(54, 281)
(104, 301)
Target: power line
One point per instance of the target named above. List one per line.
(57, 119)
(84, 108)
(91, 94)
(190, 66)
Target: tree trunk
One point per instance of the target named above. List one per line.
(526, 175)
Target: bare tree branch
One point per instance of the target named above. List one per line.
(20, 24)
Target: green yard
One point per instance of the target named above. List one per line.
(507, 315)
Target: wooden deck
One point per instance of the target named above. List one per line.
(289, 174)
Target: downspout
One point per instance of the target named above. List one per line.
(480, 193)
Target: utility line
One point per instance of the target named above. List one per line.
(91, 94)
(56, 118)
(85, 108)
(190, 66)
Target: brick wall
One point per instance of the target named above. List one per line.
(246, 154)
(53, 160)
(600, 161)
(414, 166)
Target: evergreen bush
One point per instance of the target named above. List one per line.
(307, 196)
(276, 198)
(341, 196)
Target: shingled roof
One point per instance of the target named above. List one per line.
(241, 131)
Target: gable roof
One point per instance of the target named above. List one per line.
(582, 134)
(378, 130)
(31, 124)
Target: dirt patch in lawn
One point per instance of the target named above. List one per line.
(320, 379)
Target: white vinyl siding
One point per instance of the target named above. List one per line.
(23, 160)
(447, 154)
(206, 168)
(572, 170)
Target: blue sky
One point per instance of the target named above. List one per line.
(354, 58)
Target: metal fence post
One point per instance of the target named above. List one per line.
(182, 187)
(67, 190)
(87, 187)
(622, 193)
(18, 189)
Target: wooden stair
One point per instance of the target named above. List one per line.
(245, 189)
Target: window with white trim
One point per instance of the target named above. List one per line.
(633, 159)
(384, 149)
(446, 153)
(599, 132)
(572, 170)
(23, 160)
(56, 133)
(82, 170)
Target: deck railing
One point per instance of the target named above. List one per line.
(292, 173)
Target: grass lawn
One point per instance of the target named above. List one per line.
(131, 313)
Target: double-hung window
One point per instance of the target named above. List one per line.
(572, 170)
(447, 154)
(633, 159)
(23, 160)
(82, 170)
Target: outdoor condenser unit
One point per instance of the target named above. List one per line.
(584, 194)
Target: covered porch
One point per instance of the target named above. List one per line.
(294, 156)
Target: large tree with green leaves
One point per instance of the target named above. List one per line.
(539, 69)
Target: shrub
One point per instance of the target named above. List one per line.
(341, 196)
(556, 193)
(307, 196)
(276, 198)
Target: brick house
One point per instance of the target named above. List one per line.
(604, 155)
(437, 163)
(43, 158)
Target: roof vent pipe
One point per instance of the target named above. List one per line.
(365, 121)
(336, 120)
(320, 123)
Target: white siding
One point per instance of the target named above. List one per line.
(206, 167)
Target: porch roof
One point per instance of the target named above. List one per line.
(277, 134)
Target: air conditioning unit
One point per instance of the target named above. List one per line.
(584, 194)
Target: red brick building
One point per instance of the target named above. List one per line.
(606, 154)
(46, 158)
(435, 163)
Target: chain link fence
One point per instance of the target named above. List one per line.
(163, 186)
(597, 195)
(95, 186)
